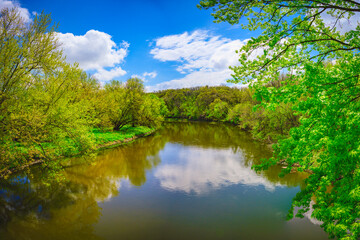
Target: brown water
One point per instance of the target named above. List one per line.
(187, 181)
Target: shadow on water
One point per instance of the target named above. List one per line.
(190, 158)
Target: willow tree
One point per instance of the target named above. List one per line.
(312, 43)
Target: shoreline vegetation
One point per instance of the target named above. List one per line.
(120, 138)
(104, 140)
(233, 105)
(211, 104)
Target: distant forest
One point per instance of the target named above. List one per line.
(233, 105)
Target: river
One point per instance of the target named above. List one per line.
(186, 181)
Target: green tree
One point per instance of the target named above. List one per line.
(44, 102)
(295, 39)
(118, 105)
(218, 110)
(128, 104)
(25, 49)
(135, 94)
(150, 112)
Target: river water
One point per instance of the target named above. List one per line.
(187, 181)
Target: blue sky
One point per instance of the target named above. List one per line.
(169, 44)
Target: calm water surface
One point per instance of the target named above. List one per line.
(188, 181)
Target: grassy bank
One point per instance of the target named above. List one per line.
(108, 138)
(102, 138)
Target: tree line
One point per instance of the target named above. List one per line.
(234, 105)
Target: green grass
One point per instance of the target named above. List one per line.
(103, 139)
(103, 136)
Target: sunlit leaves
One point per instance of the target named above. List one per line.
(129, 104)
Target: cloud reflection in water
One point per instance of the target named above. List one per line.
(200, 171)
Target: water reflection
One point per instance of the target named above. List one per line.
(28, 207)
(191, 172)
(70, 208)
(209, 156)
(183, 158)
(102, 179)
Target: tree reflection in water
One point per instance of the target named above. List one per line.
(69, 208)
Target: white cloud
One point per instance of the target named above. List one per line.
(192, 173)
(137, 76)
(104, 75)
(145, 75)
(95, 51)
(24, 13)
(150, 74)
(203, 57)
(198, 50)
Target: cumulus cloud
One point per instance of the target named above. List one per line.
(105, 75)
(150, 74)
(145, 76)
(137, 76)
(205, 58)
(198, 50)
(192, 173)
(24, 13)
(95, 50)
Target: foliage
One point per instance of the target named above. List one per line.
(151, 111)
(322, 63)
(43, 112)
(194, 103)
(128, 104)
(231, 105)
(218, 109)
(134, 90)
(118, 105)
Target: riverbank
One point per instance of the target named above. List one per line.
(103, 139)
(109, 139)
